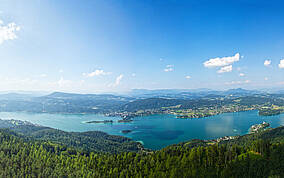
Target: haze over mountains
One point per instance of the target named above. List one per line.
(138, 93)
(190, 93)
(134, 94)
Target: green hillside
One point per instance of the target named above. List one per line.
(259, 157)
(92, 141)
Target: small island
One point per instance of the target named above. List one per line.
(124, 120)
(101, 121)
(126, 131)
(259, 127)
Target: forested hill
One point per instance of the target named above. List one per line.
(22, 157)
(59, 102)
(151, 103)
(160, 103)
(273, 135)
(92, 141)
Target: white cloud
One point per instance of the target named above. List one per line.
(188, 77)
(223, 61)
(281, 64)
(238, 82)
(241, 74)
(117, 81)
(96, 73)
(8, 32)
(225, 69)
(169, 68)
(267, 63)
(265, 78)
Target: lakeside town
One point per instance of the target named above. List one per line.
(256, 128)
(127, 116)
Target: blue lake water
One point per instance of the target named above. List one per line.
(154, 131)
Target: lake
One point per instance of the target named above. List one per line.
(155, 131)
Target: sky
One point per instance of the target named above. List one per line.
(96, 46)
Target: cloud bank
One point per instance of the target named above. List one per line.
(238, 82)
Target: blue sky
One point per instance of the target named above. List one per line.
(117, 45)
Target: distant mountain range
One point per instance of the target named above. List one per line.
(134, 94)
(75, 96)
(137, 94)
(27, 93)
(190, 93)
(60, 102)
